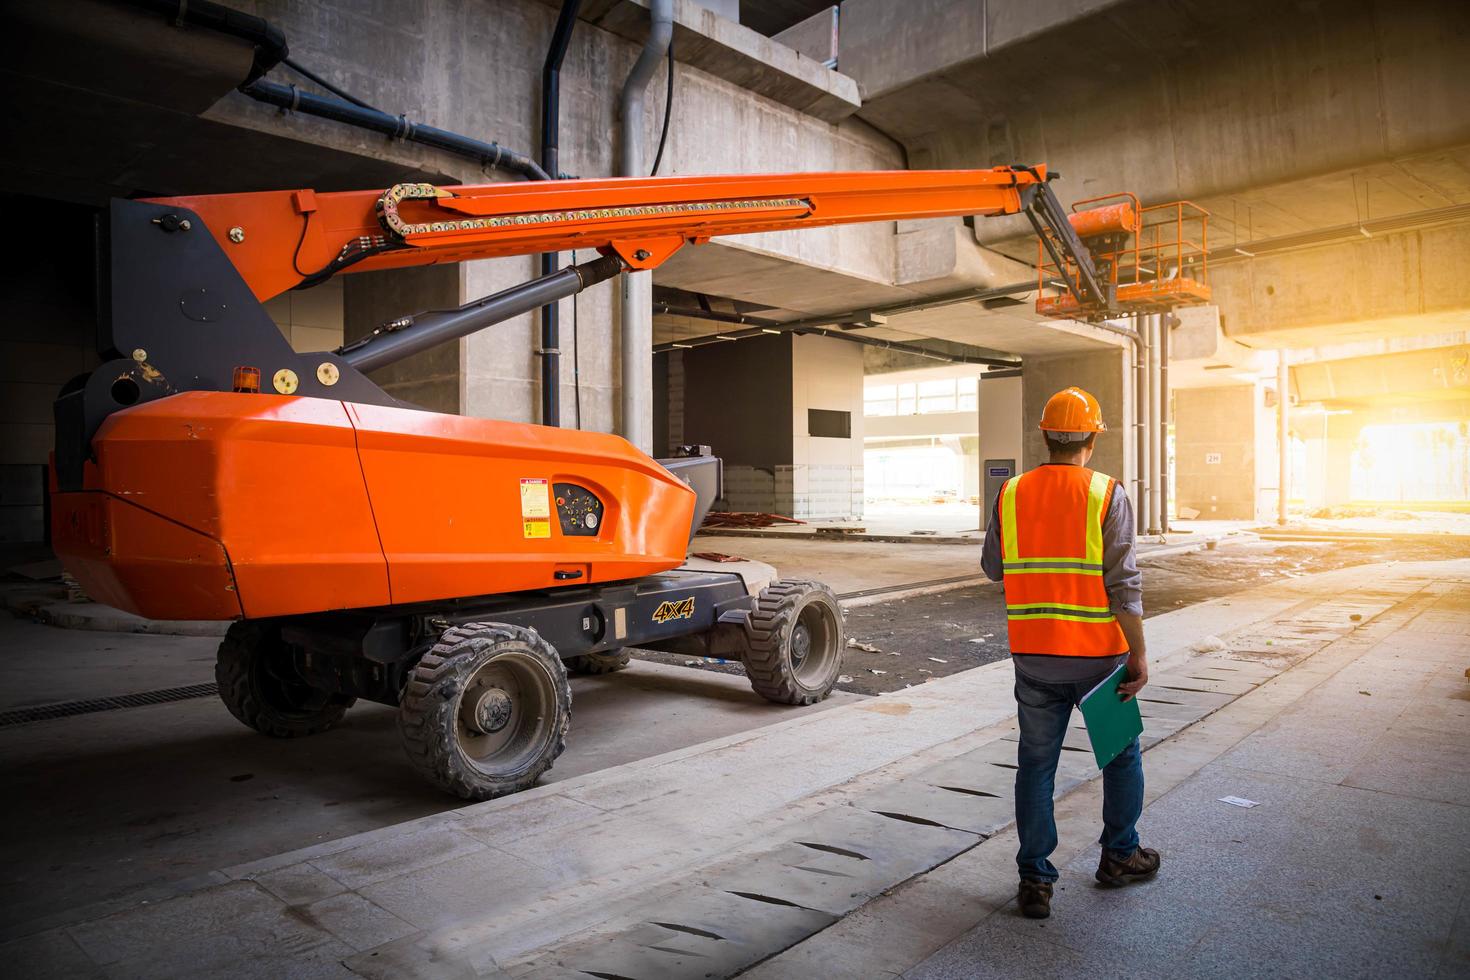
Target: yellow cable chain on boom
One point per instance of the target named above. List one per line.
(393, 223)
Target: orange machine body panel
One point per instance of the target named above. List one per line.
(213, 505)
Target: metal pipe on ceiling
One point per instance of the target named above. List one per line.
(1141, 431)
(1166, 324)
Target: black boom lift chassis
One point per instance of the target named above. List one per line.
(368, 653)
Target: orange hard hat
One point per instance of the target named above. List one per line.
(1072, 410)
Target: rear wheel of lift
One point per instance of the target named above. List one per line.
(794, 642)
(600, 663)
(260, 685)
(486, 711)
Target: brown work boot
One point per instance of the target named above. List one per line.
(1142, 863)
(1034, 898)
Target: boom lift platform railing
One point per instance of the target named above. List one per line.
(1148, 259)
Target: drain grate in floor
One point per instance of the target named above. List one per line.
(65, 709)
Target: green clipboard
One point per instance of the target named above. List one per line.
(1112, 723)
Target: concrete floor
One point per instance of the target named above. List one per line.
(108, 802)
(750, 838)
(1352, 865)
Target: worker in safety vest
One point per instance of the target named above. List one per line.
(1061, 539)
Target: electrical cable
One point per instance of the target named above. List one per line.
(663, 136)
(314, 77)
(576, 360)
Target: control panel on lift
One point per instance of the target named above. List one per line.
(578, 509)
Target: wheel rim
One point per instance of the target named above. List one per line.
(505, 715)
(814, 644)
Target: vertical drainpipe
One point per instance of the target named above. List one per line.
(637, 287)
(1140, 420)
(1155, 412)
(1283, 397)
(1166, 323)
(550, 261)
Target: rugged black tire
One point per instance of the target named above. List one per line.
(430, 719)
(779, 609)
(600, 663)
(258, 684)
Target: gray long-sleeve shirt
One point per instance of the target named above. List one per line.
(1120, 577)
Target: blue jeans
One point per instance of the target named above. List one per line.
(1044, 709)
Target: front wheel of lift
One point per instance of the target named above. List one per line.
(600, 663)
(794, 643)
(486, 711)
(259, 683)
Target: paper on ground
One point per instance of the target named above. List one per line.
(1239, 801)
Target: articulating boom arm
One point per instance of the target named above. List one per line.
(182, 280)
(279, 240)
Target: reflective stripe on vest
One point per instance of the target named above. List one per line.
(1052, 556)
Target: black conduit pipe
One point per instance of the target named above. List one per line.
(269, 40)
(271, 50)
(550, 261)
(398, 127)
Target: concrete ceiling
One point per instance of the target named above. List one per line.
(733, 270)
(773, 16)
(1021, 332)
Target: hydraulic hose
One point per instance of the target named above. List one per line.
(271, 50)
(398, 127)
(550, 350)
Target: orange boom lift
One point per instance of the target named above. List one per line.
(455, 567)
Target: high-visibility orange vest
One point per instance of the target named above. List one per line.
(1052, 552)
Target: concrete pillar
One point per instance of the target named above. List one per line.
(826, 400)
(1337, 458)
(1104, 374)
(1283, 437)
(972, 484)
(1215, 445)
(1001, 423)
(775, 409)
(636, 418)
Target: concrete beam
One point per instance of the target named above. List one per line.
(737, 54)
(1405, 283)
(1437, 375)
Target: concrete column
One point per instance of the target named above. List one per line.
(737, 400)
(1104, 374)
(636, 421)
(1337, 460)
(752, 402)
(1215, 436)
(827, 474)
(1283, 437)
(1001, 423)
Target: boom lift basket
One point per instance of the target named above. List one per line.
(1150, 259)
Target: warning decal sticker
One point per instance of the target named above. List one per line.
(535, 509)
